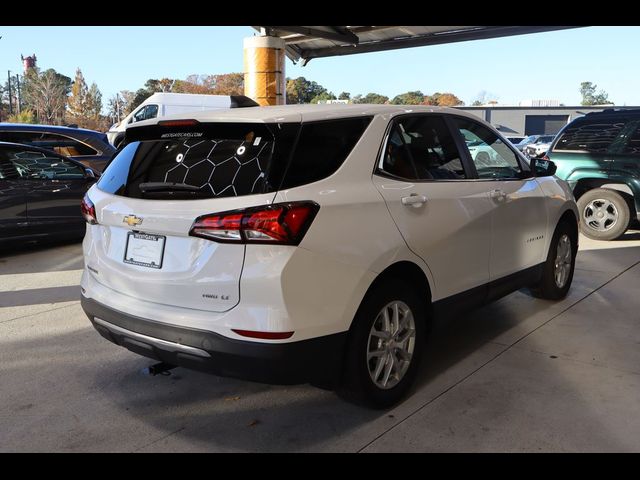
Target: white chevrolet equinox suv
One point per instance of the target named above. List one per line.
(315, 244)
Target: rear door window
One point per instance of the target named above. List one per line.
(422, 148)
(34, 165)
(322, 148)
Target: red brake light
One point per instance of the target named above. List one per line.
(284, 223)
(88, 211)
(546, 157)
(178, 123)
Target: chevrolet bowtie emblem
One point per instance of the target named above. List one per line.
(132, 220)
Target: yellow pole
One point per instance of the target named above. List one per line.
(264, 75)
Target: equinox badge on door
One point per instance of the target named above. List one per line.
(132, 220)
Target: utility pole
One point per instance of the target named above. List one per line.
(10, 94)
(19, 95)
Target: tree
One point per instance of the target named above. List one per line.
(483, 97)
(227, 83)
(344, 96)
(94, 102)
(162, 85)
(78, 99)
(410, 98)
(301, 90)
(118, 105)
(323, 97)
(6, 98)
(442, 100)
(371, 98)
(590, 97)
(187, 86)
(46, 93)
(85, 103)
(140, 96)
(25, 116)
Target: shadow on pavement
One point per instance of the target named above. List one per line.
(46, 256)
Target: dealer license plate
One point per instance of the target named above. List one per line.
(144, 250)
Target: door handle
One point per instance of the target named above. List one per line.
(498, 194)
(414, 200)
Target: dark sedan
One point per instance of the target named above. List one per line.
(40, 193)
(89, 147)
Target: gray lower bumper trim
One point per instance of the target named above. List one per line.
(161, 344)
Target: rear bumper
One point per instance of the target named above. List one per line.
(317, 360)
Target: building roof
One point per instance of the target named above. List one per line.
(306, 43)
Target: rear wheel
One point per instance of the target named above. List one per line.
(604, 214)
(557, 273)
(385, 345)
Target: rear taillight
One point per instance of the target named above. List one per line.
(88, 211)
(545, 157)
(282, 223)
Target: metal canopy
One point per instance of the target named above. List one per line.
(305, 43)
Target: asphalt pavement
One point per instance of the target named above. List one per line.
(519, 375)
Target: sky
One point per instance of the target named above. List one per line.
(547, 65)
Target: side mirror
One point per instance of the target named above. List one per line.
(543, 168)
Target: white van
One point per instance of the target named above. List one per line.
(163, 104)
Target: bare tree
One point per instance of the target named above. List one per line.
(46, 93)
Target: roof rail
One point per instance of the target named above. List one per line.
(616, 109)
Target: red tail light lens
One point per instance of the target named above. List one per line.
(88, 211)
(264, 335)
(546, 157)
(283, 224)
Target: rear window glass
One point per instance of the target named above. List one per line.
(227, 160)
(594, 136)
(200, 164)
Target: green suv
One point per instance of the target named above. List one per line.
(599, 156)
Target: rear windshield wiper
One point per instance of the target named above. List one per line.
(167, 187)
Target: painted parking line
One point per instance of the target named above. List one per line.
(27, 281)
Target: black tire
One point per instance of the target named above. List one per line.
(547, 287)
(357, 385)
(598, 196)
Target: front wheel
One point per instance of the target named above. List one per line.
(385, 345)
(557, 272)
